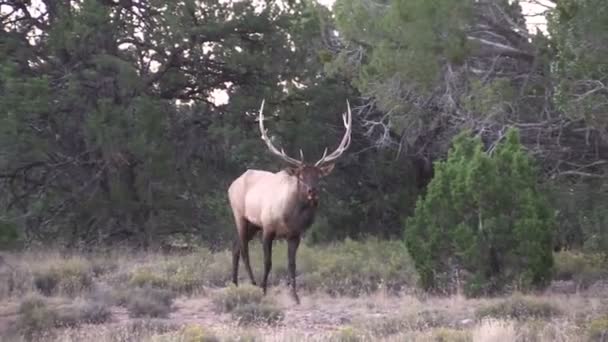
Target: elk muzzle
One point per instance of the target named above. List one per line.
(312, 196)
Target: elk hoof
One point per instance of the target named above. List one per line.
(295, 298)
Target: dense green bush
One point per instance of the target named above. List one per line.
(484, 214)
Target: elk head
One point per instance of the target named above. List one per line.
(308, 175)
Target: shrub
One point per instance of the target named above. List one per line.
(81, 313)
(66, 276)
(347, 334)
(518, 307)
(195, 333)
(149, 302)
(230, 298)
(8, 234)
(103, 265)
(582, 268)
(36, 315)
(146, 277)
(482, 213)
(250, 313)
(450, 335)
(598, 329)
(426, 319)
(91, 312)
(247, 305)
(385, 326)
(217, 271)
(15, 279)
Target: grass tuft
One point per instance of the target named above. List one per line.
(598, 329)
(149, 302)
(69, 277)
(583, 269)
(233, 296)
(519, 307)
(247, 305)
(38, 315)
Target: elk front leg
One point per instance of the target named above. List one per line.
(267, 259)
(236, 251)
(245, 238)
(292, 248)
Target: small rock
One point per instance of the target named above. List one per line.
(467, 322)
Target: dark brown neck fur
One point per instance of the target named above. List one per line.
(302, 216)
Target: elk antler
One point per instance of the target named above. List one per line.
(271, 147)
(344, 144)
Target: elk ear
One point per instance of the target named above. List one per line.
(291, 170)
(326, 169)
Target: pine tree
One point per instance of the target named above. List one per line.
(483, 213)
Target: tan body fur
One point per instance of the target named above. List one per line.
(264, 199)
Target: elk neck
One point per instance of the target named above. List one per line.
(299, 210)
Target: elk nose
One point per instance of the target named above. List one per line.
(312, 192)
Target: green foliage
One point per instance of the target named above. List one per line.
(582, 216)
(580, 34)
(482, 213)
(8, 234)
(95, 148)
(408, 40)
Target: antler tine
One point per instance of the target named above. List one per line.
(269, 144)
(344, 144)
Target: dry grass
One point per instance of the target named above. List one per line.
(153, 297)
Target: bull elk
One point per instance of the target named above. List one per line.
(282, 205)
